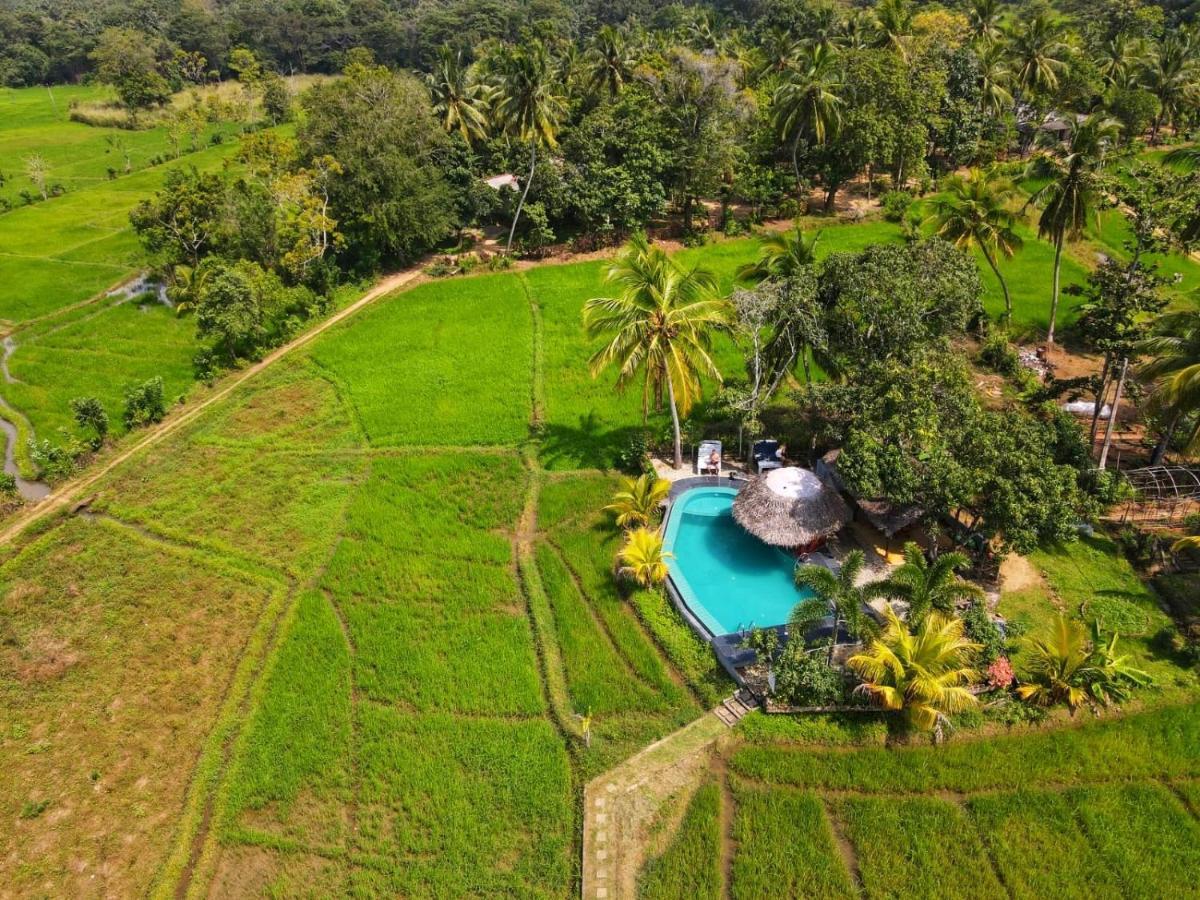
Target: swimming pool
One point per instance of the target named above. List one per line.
(726, 577)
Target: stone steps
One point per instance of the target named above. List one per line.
(733, 709)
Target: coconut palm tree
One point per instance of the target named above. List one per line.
(1072, 193)
(922, 675)
(1039, 53)
(806, 103)
(974, 211)
(930, 586)
(459, 102)
(609, 61)
(782, 255)
(995, 76)
(659, 325)
(638, 501)
(527, 106)
(1064, 666)
(642, 558)
(1119, 58)
(1171, 75)
(894, 20)
(983, 18)
(1174, 350)
(837, 593)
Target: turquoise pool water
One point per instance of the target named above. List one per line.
(728, 578)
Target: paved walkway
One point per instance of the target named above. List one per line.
(621, 804)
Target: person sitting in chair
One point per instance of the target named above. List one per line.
(713, 466)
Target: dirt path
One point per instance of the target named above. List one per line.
(72, 491)
(622, 804)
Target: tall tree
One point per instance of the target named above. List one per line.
(660, 326)
(806, 103)
(983, 18)
(1039, 54)
(975, 211)
(1171, 76)
(527, 106)
(609, 61)
(1072, 195)
(1174, 348)
(459, 101)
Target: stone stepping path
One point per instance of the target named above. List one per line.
(621, 804)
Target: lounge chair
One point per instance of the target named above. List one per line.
(767, 456)
(709, 458)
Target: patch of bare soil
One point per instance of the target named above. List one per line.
(1017, 573)
(259, 872)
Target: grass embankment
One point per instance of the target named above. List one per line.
(1098, 810)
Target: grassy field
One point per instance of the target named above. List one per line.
(1105, 810)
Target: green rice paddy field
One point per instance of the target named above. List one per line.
(333, 636)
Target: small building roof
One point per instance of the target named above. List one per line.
(789, 507)
(504, 180)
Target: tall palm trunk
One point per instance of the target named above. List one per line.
(525, 193)
(1058, 249)
(675, 422)
(1112, 416)
(1105, 373)
(1003, 284)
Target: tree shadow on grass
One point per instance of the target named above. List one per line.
(588, 445)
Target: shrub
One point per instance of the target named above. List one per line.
(90, 414)
(983, 631)
(8, 484)
(53, 462)
(999, 355)
(1000, 674)
(634, 457)
(144, 404)
(895, 204)
(804, 677)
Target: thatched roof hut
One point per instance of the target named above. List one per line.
(790, 507)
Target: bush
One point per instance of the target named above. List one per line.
(804, 677)
(90, 414)
(53, 462)
(999, 355)
(8, 485)
(634, 457)
(983, 631)
(895, 204)
(144, 404)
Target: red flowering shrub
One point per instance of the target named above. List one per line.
(1000, 673)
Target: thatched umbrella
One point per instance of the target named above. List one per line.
(790, 507)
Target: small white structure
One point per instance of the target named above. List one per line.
(1087, 408)
(504, 180)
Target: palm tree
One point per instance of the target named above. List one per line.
(459, 102)
(1119, 57)
(923, 674)
(857, 31)
(642, 558)
(974, 211)
(994, 78)
(1064, 666)
(839, 593)
(806, 104)
(1073, 193)
(527, 105)
(983, 18)
(1171, 77)
(1039, 52)
(637, 503)
(1174, 367)
(780, 50)
(609, 61)
(930, 586)
(782, 255)
(660, 324)
(894, 19)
